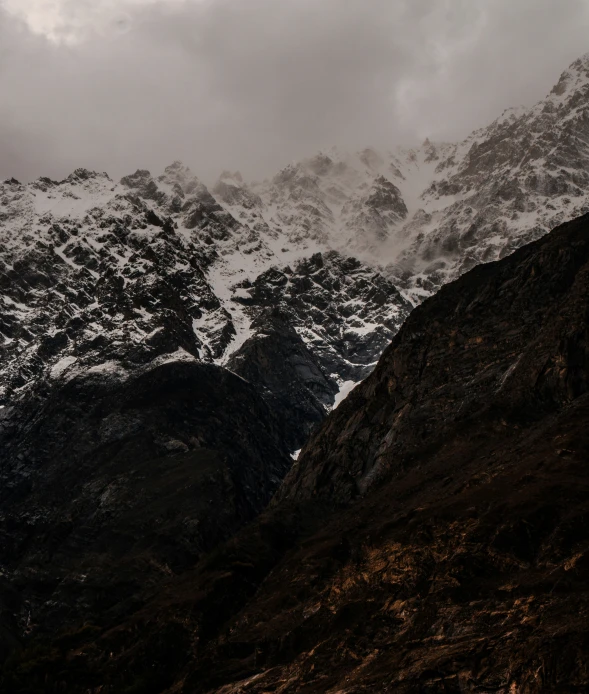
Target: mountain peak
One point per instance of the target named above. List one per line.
(178, 174)
(581, 63)
(574, 78)
(81, 174)
(141, 176)
(320, 164)
(177, 167)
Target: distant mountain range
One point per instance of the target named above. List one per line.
(92, 270)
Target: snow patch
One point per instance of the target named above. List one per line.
(345, 389)
(62, 366)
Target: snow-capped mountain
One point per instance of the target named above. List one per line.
(155, 347)
(94, 271)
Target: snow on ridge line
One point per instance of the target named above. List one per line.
(115, 368)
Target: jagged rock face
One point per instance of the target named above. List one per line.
(279, 362)
(344, 311)
(507, 184)
(376, 212)
(346, 202)
(460, 566)
(315, 327)
(231, 191)
(117, 480)
(95, 271)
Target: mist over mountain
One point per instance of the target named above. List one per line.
(221, 84)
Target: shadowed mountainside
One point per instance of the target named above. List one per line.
(114, 481)
(432, 537)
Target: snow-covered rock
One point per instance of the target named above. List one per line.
(95, 272)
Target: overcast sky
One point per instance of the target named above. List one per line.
(116, 85)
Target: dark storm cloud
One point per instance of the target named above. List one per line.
(252, 84)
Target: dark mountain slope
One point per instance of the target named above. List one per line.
(494, 351)
(434, 536)
(115, 481)
(281, 365)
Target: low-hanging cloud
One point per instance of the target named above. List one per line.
(252, 84)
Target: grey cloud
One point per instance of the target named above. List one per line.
(252, 84)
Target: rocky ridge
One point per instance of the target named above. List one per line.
(94, 271)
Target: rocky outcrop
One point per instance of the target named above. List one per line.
(278, 361)
(94, 271)
(345, 312)
(506, 184)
